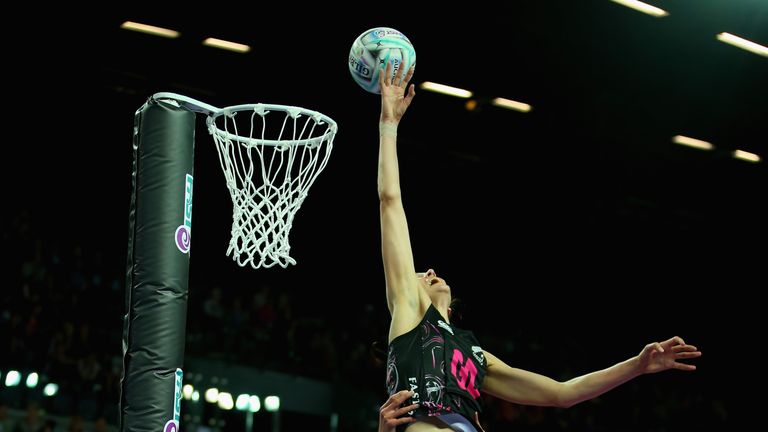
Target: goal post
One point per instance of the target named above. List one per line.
(157, 276)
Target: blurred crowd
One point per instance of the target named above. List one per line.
(61, 316)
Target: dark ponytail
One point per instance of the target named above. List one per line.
(457, 311)
(378, 352)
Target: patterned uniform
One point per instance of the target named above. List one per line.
(442, 364)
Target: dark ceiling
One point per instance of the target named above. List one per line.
(586, 187)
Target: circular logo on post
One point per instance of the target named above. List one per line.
(183, 238)
(171, 426)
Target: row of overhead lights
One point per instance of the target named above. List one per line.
(173, 34)
(642, 7)
(725, 37)
(634, 4)
(471, 103)
(242, 48)
(722, 37)
(705, 145)
(499, 101)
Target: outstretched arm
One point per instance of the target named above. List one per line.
(527, 388)
(399, 270)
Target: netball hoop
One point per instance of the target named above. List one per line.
(271, 156)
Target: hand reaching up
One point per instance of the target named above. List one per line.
(394, 100)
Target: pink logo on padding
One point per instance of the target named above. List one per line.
(466, 372)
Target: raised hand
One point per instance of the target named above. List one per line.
(659, 356)
(394, 100)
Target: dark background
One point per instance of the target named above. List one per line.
(579, 227)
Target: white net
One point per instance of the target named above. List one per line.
(271, 156)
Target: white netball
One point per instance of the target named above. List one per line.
(373, 49)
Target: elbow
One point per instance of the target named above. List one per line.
(563, 399)
(388, 196)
